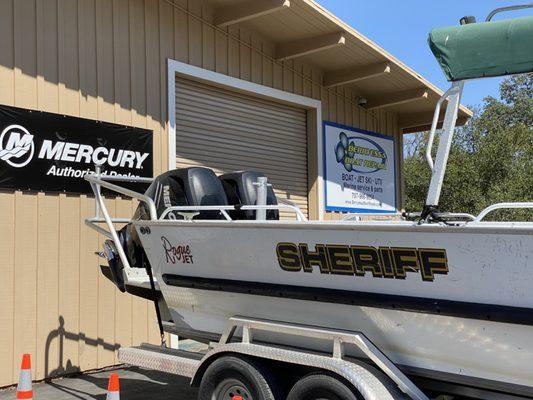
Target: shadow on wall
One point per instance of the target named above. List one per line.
(60, 334)
(135, 383)
(86, 67)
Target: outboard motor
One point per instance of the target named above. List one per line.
(115, 270)
(201, 188)
(193, 186)
(240, 190)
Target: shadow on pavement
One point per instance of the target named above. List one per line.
(139, 384)
(135, 384)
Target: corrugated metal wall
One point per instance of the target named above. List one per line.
(228, 131)
(106, 60)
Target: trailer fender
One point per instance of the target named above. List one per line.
(367, 380)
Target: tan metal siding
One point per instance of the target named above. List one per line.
(229, 131)
(106, 60)
(59, 56)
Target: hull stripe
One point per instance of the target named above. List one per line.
(460, 309)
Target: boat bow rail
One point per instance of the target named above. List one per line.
(502, 206)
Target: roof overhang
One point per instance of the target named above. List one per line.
(304, 30)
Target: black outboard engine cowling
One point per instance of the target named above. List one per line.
(202, 188)
(240, 190)
(193, 186)
(167, 190)
(180, 187)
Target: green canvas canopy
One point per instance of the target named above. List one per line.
(484, 49)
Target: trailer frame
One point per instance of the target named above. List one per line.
(381, 380)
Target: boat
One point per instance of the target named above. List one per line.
(446, 296)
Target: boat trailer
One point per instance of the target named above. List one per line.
(384, 381)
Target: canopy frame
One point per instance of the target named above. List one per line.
(508, 8)
(438, 169)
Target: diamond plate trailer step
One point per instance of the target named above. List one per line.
(172, 361)
(384, 381)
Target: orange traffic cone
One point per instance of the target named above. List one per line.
(24, 390)
(113, 388)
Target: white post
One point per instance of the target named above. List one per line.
(260, 215)
(98, 171)
(439, 169)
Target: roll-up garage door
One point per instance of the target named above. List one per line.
(230, 131)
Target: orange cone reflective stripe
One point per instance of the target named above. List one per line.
(24, 389)
(113, 388)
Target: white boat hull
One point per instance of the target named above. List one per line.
(472, 319)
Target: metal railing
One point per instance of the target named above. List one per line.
(434, 123)
(438, 167)
(97, 181)
(501, 206)
(224, 210)
(508, 8)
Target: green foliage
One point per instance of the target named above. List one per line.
(491, 159)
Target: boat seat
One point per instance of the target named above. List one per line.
(240, 190)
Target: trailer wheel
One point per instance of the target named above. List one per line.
(230, 378)
(321, 386)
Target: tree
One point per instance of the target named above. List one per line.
(491, 159)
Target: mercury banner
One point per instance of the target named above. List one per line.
(49, 152)
(360, 170)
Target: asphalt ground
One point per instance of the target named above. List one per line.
(135, 384)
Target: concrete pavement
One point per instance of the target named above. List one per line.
(135, 384)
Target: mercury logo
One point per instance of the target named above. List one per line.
(17, 149)
(16, 146)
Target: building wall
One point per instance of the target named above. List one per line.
(106, 60)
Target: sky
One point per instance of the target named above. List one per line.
(401, 27)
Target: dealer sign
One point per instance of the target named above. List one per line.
(360, 170)
(50, 152)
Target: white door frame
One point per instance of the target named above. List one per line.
(217, 79)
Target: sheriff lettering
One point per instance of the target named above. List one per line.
(358, 261)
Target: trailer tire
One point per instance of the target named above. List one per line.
(322, 385)
(231, 376)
